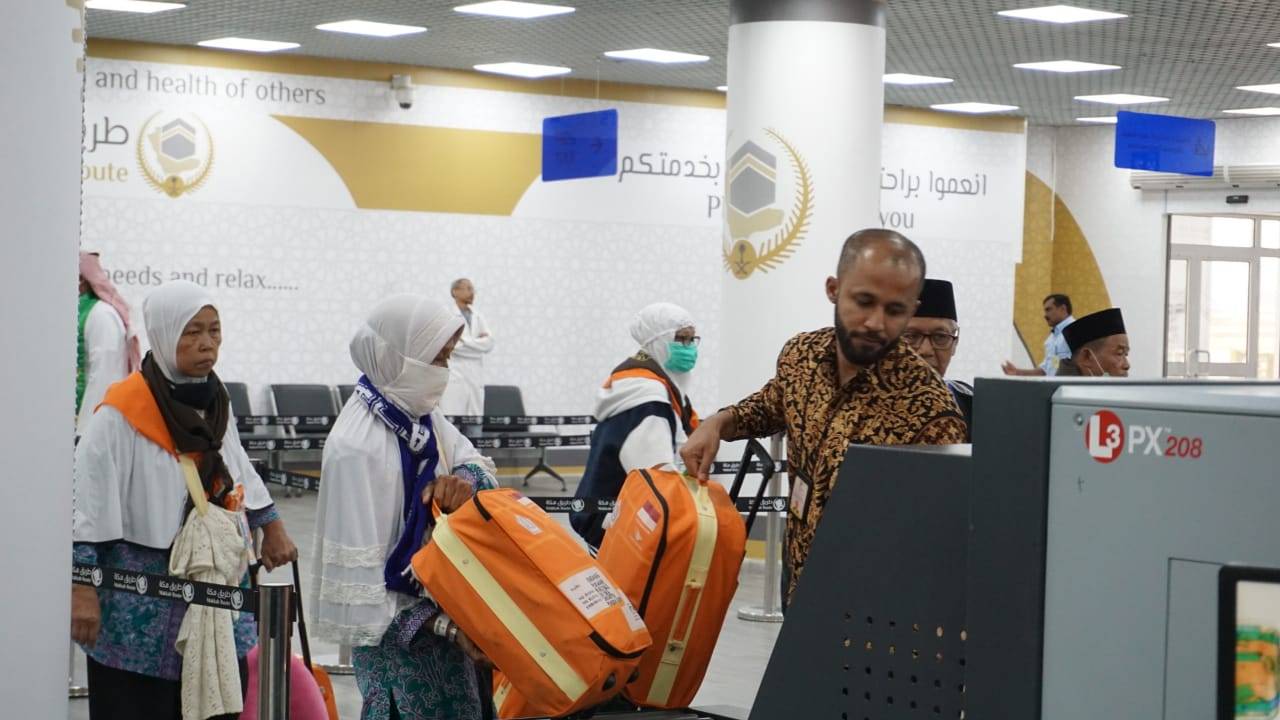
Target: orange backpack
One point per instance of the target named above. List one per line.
(531, 598)
(675, 545)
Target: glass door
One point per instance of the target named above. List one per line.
(1223, 301)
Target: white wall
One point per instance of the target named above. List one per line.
(40, 207)
(1125, 227)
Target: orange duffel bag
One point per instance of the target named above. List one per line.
(675, 545)
(531, 598)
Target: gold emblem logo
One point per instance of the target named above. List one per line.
(175, 153)
(753, 192)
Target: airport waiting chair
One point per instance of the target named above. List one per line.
(344, 394)
(508, 400)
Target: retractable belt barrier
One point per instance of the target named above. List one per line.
(166, 587)
(560, 504)
(324, 422)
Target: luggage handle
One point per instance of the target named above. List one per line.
(754, 449)
(302, 622)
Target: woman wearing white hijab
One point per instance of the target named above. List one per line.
(131, 497)
(642, 411)
(390, 453)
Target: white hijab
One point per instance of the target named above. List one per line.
(654, 329)
(395, 346)
(166, 312)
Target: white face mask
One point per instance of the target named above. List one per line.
(1098, 364)
(419, 387)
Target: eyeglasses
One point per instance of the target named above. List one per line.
(694, 341)
(939, 340)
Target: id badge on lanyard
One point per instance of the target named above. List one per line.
(801, 494)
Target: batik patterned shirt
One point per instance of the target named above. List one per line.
(899, 400)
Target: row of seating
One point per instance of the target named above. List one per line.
(314, 400)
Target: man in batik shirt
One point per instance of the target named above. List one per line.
(854, 383)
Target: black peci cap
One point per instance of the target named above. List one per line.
(937, 300)
(1101, 324)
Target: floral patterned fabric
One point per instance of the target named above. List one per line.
(138, 633)
(899, 400)
(425, 676)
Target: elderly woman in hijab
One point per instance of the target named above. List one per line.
(131, 497)
(392, 453)
(642, 411)
(107, 348)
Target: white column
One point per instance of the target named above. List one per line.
(39, 233)
(806, 107)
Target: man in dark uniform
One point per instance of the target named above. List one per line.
(934, 334)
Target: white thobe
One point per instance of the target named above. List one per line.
(106, 358)
(465, 394)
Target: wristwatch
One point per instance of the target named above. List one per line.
(453, 632)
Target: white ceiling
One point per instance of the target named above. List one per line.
(1192, 51)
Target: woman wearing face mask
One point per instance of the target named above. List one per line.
(131, 495)
(390, 455)
(642, 410)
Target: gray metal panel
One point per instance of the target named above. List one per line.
(1192, 639)
(1006, 546)
(1236, 398)
(1113, 528)
(877, 624)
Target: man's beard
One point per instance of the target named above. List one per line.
(852, 353)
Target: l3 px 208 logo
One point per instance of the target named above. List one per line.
(1106, 438)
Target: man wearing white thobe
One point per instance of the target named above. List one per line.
(465, 394)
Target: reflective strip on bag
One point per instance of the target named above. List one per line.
(500, 695)
(704, 548)
(507, 611)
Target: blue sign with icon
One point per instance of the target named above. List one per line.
(580, 146)
(1164, 143)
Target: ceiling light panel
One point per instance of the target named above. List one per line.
(368, 27)
(973, 108)
(1061, 14)
(1122, 99)
(1065, 66)
(1101, 120)
(248, 44)
(909, 79)
(1255, 111)
(133, 6)
(1273, 88)
(524, 70)
(517, 10)
(654, 55)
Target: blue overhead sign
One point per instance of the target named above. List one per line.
(1164, 143)
(580, 146)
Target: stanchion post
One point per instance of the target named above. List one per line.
(770, 609)
(343, 666)
(275, 633)
(74, 691)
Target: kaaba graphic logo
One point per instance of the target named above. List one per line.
(175, 153)
(753, 198)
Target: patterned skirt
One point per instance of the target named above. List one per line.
(429, 679)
